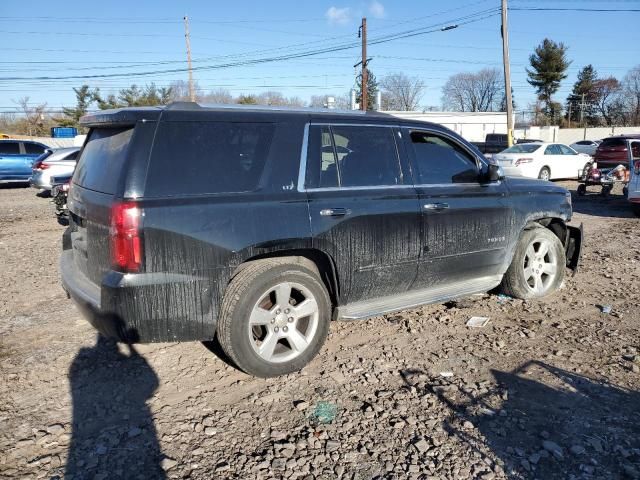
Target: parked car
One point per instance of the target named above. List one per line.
(259, 225)
(52, 163)
(586, 146)
(16, 159)
(546, 161)
(613, 151)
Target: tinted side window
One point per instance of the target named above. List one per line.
(367, 156)
(102, 159)
(352, 156)
(9, 148)
(439, 160)
(208, 157)
(322, 168)
(33, 149)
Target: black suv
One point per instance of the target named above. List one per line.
(258, 226)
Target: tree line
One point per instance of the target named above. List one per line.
(593, 101)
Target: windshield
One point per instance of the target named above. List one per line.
(523, 148)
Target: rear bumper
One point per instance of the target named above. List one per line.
(144, 307)
(40, 181)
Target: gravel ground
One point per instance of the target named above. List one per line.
(548, 389)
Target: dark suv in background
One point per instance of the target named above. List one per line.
(258, 226)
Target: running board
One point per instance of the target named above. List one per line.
(416, 298)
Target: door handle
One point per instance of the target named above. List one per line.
(436, 206)
(335, 212)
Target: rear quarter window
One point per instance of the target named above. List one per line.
(191, 158)
(102, 159)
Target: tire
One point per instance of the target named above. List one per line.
(522, 279)
(582, 189)
(625, 191)
(636, 210)
(606, 191)
(277, 343)
(545, 173)
(585, 169)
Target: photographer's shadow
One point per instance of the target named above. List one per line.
(113, 434)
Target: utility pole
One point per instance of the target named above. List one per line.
(507, 73)
(570, 105)
(192, 93)
(363, 97)
(582, 110)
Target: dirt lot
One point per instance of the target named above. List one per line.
(548, 389)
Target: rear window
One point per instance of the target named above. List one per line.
(613, 142)
(192, 158)
(522, 148)
(102, 159)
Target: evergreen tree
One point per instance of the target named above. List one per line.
(84, 98)
(372, 89)
(549, 65)
(586, 84)
(135, 96)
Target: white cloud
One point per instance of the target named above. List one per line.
(338, 16)
(376, 9)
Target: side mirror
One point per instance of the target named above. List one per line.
(494, 173)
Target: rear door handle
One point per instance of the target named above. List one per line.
(435, 206)
(335, 212)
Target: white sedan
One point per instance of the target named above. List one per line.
(547, 161)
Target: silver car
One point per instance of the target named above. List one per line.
(586, 146)
(53, 163)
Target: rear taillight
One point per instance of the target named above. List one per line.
(520, 161)
(636, 167)
(64, 187)
(126, 241)
(40, 165)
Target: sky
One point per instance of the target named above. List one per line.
(43, 43)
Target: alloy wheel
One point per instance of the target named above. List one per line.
(283, 322)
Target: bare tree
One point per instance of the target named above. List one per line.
(180, 91)
(473, 92)
(277, 99)
(631, 95)
(35, 118)
(341, 102)
(219, 96)
(401, 92)
(607, 102)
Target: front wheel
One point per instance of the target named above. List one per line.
(538, 265)
(274, 317)
(545, 173)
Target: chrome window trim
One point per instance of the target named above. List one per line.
(302, 172)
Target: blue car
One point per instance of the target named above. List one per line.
(16, 159)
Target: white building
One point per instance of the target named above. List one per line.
(472, 126)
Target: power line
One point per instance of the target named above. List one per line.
(575, 9)
(471, 18)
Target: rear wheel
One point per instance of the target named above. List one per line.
(545, 173)
(538, 265)
(274, 317)
(582, 189)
